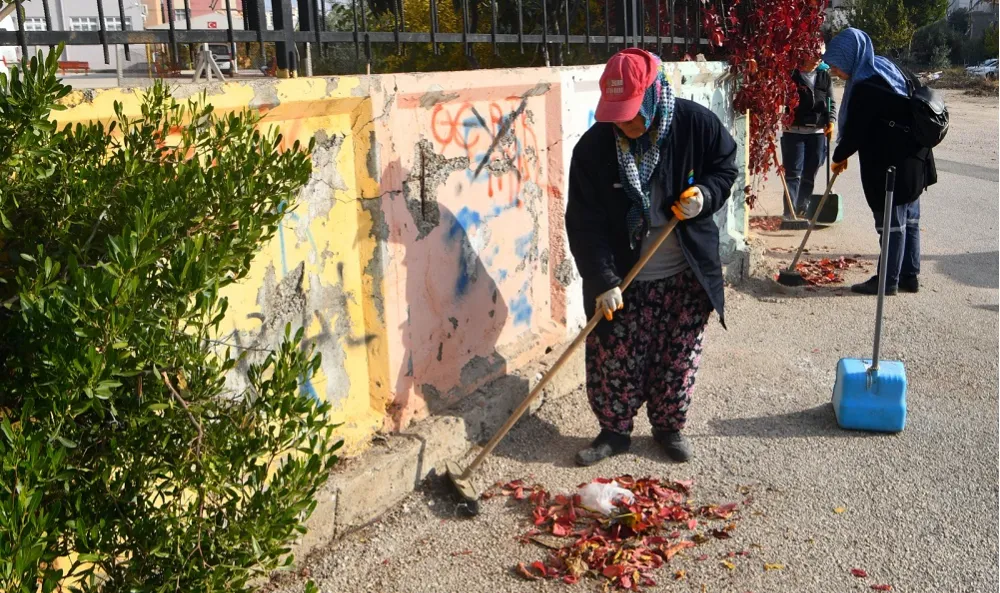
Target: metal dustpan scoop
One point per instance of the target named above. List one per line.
(831, 211)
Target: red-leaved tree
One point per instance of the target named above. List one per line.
(766, 40)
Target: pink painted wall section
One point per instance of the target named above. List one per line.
(472, 204)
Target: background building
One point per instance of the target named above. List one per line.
(77, 15)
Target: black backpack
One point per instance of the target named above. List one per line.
(930, 114)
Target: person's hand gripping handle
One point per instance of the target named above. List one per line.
(689, 204)
(609, 302)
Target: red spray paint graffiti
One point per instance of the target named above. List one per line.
(497, 137)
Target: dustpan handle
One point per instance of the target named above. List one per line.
(829, 140)
(883, 263)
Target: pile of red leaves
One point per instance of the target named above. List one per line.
(826, 270)
(767, 224)
(627, 546)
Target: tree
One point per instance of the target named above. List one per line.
(990, 41)
(887, 22)
(960, 22)
(925, 12)
(936, 45)
(119, 439)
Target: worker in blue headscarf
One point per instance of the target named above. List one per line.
(875, 121)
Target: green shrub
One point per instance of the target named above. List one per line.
(937, 45)
(119, 440)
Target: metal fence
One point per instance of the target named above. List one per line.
(668, 27)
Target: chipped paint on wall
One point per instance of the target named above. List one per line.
(427, 253)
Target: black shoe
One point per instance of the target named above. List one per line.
(870, 286)
(674, 445)
(909, 284)
(605, 445)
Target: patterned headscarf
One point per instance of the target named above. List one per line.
(638, 159)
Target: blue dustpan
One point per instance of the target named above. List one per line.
(871, 394)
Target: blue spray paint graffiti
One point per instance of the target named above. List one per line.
(523, 244)
(520, 307)
(465, 221)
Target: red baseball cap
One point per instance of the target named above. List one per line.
(626, 77)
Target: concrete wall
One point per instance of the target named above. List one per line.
(427, 255)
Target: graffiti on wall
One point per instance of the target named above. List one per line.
(497, 138)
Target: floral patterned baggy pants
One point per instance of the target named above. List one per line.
(650, 354)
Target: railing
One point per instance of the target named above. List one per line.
(672, 28)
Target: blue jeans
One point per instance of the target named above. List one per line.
(904, 241)
(801, 154)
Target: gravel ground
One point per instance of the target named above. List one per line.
(919, 508)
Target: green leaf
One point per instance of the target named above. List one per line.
(66, 442)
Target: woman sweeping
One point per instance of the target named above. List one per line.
(649, 157)
(875, 119)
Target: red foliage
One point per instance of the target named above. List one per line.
(766, 40)
(627, 547)
(825, 270)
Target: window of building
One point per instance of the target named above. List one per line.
(114, 23)
(34, 23)
(91, 23)
(180, 15)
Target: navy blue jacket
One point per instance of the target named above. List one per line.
(597, 204)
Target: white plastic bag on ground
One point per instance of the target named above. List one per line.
(602, 497)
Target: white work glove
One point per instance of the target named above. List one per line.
(610, 302)
(689, 204)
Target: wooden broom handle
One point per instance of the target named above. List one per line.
(579, 339)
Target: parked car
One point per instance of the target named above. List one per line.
(223, 57)
(987, 69)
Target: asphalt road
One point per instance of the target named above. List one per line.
(919, 509)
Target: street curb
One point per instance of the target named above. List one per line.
(363, 488)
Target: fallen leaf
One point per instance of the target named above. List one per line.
(680, 574)
(576, 566)
(672, 550)
(524, 572)
(613, 571)
(839, 510)
(769, 567)
(720, 534)
(693, 524)
(547, 541)
(882, 587)
(462, 553)
(570, 579)
(728, 564)
(859, 572)
(702, 558)
(386, 561)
